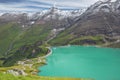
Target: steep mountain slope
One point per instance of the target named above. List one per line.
(23, 28)
(101, 19)
(104, 15)
(8, 34)
(21, 33)
(17, 43)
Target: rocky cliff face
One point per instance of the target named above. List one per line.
(53, 17)
(105, 6)
(100, 18)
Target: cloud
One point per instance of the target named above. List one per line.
(71, 3)
(37, 5)
(11, 1)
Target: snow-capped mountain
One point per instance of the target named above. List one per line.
(117, 6)
(105, 6)
(97, 17)
(101, 18)
(55, 13)
(42, 16)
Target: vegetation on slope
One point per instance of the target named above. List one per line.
(33, 77)
(5, 75)
(8, 32)
(115, 45)
(26, 52)
(65, 38)
(17, 43)
(62, 38)
(90, 40)
(33, 34)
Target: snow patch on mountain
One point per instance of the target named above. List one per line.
(105, 6)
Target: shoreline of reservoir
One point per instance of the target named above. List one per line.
(48, 54)
(97, 46)
(89, 56)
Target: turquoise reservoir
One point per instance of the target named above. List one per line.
(83, 62)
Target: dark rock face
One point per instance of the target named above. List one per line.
(55, 17)
(87, 41)
(102, 18)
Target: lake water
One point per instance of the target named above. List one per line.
(83, 62)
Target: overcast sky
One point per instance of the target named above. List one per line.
(36, 5)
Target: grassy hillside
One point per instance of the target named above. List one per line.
(65, 38)
(62, 38)
(32, 77)
(12, 33)
(91, 40)
(69, 36)
(115, 45)
(18, 43)
(5, 75)
(8, 32)
(32, 35)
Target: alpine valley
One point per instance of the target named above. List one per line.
(26, 36)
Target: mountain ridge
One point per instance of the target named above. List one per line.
(98, 25)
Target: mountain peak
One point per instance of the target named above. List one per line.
(104, 6)
(54, 9)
